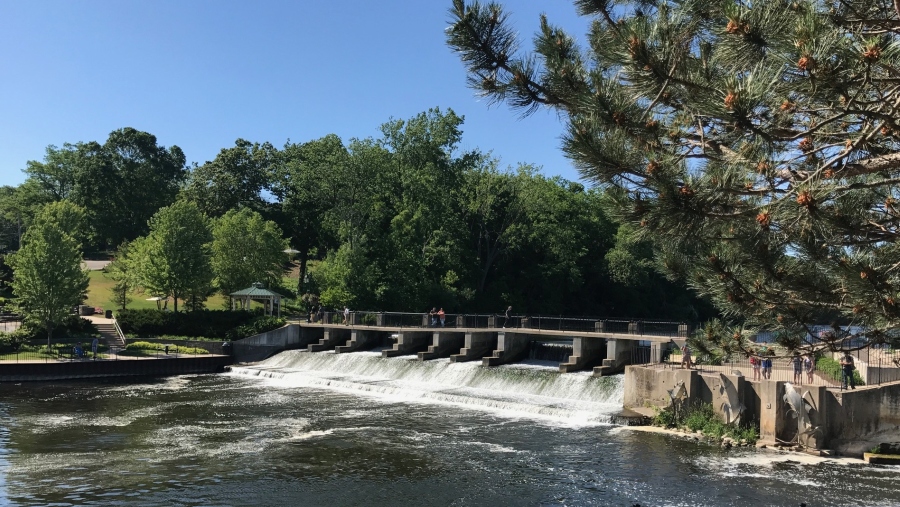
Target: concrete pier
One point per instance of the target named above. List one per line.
(443, 344)
(360, 339)
(477, 345)
(586, 353)
(618, 354)
(334, 336)
(511, 347)
(408, 342)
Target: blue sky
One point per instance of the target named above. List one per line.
(202, 73)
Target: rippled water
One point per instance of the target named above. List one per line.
(356, 429)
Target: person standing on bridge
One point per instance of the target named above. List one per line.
(507, 316)
(686, 356)
(441, 316)
(433, 316)
(346, 316)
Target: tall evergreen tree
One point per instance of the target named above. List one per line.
(754, 142)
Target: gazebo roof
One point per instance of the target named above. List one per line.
(257, 291)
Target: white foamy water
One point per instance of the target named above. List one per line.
(532, 391)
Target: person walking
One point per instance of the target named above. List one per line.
(847, 368)
(507, 316)
(346, 316)
(797, 364)
(441, 316)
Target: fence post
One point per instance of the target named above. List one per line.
(600, 326)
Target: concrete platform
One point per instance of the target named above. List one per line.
(881, 459)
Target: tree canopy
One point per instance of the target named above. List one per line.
(47, 276)
(173, 260)
(246, 249)
(755, 143)
(401, 221)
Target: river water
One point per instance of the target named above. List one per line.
(356, 429)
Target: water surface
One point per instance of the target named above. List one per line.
(356, 429)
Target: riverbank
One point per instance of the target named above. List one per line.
(41, 371)
(767, 454)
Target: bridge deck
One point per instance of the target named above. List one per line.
(550, 333)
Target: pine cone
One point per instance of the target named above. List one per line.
(730, 100)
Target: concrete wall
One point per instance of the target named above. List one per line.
(477, 345)
(361, 339)
(586, 353)
(263, 345)
(850, 422)
(408, 342)
(511, 347)
(26, 372)
(444, 344)
(332, 337)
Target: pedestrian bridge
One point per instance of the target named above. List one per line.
(603, 345)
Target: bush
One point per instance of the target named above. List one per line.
(258, 325)
(702, 417)
(832, 369)
(139, 348)
(202, 323)
(74, 327)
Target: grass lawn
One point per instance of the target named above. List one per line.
(100, 294)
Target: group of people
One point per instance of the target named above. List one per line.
(316, 314)
(79, 352)
(761, 364)
(436, 316)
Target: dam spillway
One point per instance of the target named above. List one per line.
(530, 389)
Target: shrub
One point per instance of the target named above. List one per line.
(207, 323)
(702, 417)
(832, 369)
(147, 348)
(258, 325)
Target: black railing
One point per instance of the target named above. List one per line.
(500, 321)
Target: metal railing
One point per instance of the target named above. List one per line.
(120, 333)
(499, 321)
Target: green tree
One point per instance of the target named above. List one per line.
(236, 177)
(120, 184)
(246, 249)
(47, 276)
(173, 260)
(301, 184)
(122, 271)
(754, 143)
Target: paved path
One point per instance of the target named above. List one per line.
(95, 265)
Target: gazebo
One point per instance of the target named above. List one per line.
(271, 300)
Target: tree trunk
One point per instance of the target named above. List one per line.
(175, 299)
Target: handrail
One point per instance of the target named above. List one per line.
(119, 331)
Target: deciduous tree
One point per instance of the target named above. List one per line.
(173, 260)
(246, 249)
(47, 276)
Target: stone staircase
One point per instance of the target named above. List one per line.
(110, 336)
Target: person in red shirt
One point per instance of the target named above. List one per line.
(441, 316)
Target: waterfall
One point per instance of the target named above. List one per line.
(518, 390)
(557, 351)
